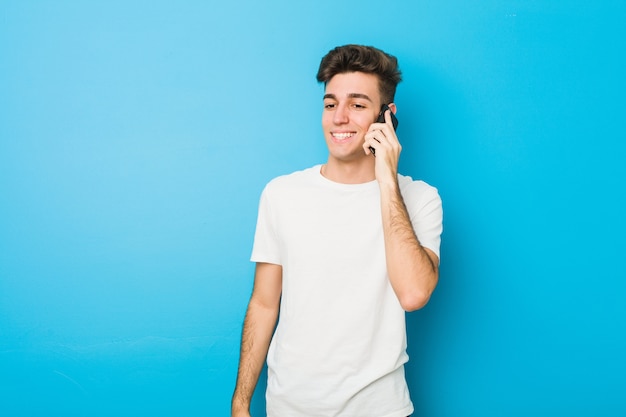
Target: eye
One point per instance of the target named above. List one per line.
(359, 106)
(329, 106)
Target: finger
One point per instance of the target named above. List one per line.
(388, 118)
(371, 142)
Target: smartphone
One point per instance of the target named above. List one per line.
(381, 119)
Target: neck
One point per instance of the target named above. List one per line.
(349, 173)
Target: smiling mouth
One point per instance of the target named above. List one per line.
(343, 136)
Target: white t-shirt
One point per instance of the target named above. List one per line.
(340, 344)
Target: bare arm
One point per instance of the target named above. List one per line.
(413, 270)
(258, 328)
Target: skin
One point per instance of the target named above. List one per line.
(351, 105)
(258, 328)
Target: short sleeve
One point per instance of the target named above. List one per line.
(266, 247)
(426, 212)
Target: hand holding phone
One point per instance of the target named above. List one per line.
(381, 116)
(381, 119)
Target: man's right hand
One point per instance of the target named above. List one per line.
(258, 328)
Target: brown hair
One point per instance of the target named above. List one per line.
(366, 59)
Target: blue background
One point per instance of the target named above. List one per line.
(136, 137)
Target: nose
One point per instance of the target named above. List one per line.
(340, 116)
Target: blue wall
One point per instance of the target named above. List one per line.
(135, 139)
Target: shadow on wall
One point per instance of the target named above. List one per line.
(258, 400)
(435, 117)
(427, 103)
(435, 332)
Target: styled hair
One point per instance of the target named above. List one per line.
(366, 59)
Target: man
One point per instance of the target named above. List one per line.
(342, 250)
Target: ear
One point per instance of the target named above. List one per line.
(392, 107)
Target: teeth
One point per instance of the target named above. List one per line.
(343, 135)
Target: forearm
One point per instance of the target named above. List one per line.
(257, 332)
(412, 269)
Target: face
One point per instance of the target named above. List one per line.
(351, 104)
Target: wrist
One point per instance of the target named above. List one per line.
(239, 406)
(240, 412)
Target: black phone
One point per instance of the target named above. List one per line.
(381, 116)
(381, 119)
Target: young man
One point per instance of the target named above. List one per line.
(342, 249)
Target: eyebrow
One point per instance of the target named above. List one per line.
(351, 95)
